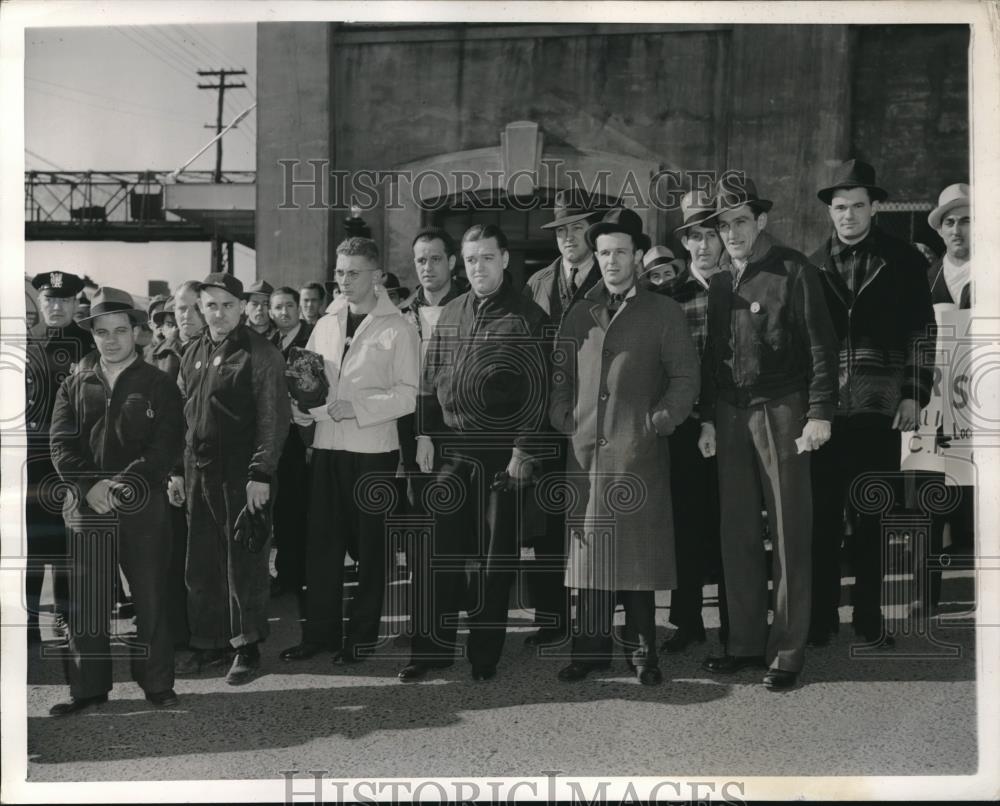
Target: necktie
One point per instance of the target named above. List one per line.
(573, 271)
(615, 302)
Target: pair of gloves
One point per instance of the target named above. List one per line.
(253, 529)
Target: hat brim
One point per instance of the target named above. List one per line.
(876, 193)
(641, 239)
(936, 216)
(158, 317)
(697, 219)
(567, 219)
(760, 205)
(203, 286)
(138, 317)
(677, 262)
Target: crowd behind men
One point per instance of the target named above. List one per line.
(674, 399)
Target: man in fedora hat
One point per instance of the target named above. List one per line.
(117, 430)
(660, 267)
(555, 289)
(258, 299)
(768, 395)
(694, 479)
(875, 287)
(238, 413)
(949, 276)
(630, 381)
(55, 345)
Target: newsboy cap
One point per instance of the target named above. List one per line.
(262, 287)
(227, 282)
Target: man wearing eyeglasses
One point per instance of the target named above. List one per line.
(370, 355)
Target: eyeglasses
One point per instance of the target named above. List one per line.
(352, 275)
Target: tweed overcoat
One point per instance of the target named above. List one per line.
(632, 381)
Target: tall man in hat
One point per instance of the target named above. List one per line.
(237, 412)
(370, 356)
(117, 429)
(483, 400)
(55, 344)
(556, 289)
(875, 287)
(258, 299)
(694, 479)
(768, 396)
(633, 379)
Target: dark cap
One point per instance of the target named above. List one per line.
(261, 287)
(227, 282)
(58, 283)
(160, 314)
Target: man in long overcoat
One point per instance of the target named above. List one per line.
(634, 378)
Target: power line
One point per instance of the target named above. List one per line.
(172, 118)
(39, 157)
(94, 94)
(181, 45)
(184, 61)
(169, 64)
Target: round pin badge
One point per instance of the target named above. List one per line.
(754, 307)
(217, 361)
(197, 364)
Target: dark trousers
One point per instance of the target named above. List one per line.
(46, 544)
(471, 523)
(228, 585)
(291, 513)
(595, 611)
(758, 460)
(546, 574)
(855, 447)
(176, 594)
(694, 491)
(344, 516)
(140, 543)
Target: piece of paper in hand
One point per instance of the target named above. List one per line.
(800, 445)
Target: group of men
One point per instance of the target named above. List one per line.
(747, 378)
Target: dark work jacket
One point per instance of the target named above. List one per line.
(236, 402)
(550, 291)
(486, 372)
(939, 287)
(167, 357)
(880, 331)
(770, 335)
(132, 434)
(300, 340)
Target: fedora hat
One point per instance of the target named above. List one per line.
(958, 195)
(620, 219)
(113, 300)
(570, 206)
(227, 282)
(696, 207)
(160, 314)
(391, 284)
(853, 174)
(660, 256)
(736, 189)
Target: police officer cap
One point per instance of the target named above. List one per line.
(58, 283)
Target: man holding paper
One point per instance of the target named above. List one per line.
(768, 393)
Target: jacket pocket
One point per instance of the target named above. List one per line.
(135, 422)
(223, 409)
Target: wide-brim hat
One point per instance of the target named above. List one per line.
(571, 205)
(620, 219)
(853, 174)
(957, 195)
(58, 283)
(390, 282)
(158, 316)
(657, 256)
(697, 207)
(112, 300)
(735, 190)
(223, 280)
(261, 287)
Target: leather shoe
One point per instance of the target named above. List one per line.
(729, 664)
(480, 673)
(302, 651)
(649, 675)
(77, 704)
(162, 699)
(876, 636)
(682, 639)
(201, 659)
(578, 670)
(545, 635)
(245, 665)
(415, 671)
(780, 679)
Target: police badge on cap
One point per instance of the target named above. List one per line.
(58, 283)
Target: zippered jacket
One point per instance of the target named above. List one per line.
(882, 330)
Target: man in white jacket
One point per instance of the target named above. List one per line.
(371, 354)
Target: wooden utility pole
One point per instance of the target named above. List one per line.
(222, 253)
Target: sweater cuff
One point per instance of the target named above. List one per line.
(821, 411)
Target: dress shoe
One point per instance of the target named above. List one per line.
(480, 673)
(77, 704)
(649, 675)
(415, 671)
(729, 664)
(780, 679)
(682, 639)
(201, 659)
(545, 635)
(578, 670)
(303, 651)
(245, 665)
(162, 699)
